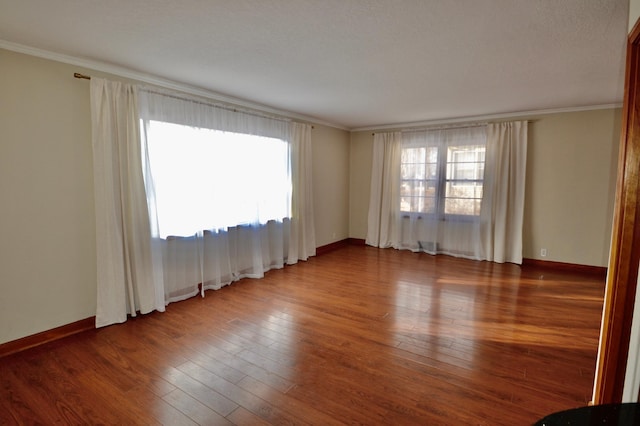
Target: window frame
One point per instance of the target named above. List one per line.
(441, 180)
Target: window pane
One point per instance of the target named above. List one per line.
(208, 179)
(418, 196)
(407, 189)
(413, 155)
(428, 205)
(413, 171)
(432, 155)
(463, 189)
(419, 174)
(465, 162)
(463, 197)
(418, 204)
(432, 171)
(464, 175)
(462, 206)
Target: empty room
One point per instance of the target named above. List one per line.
(318, 212)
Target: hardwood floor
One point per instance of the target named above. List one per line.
(356, 336)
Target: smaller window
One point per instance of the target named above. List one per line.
(442, 179)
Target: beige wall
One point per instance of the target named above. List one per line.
(47, 251)
(571, 170)
(47, 226)
(570, 190)
(634, 13)
(330, 184)
(360, 182)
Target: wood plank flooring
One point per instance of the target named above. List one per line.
(356, 336)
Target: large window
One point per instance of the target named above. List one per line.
(206, 179)
(442, 179)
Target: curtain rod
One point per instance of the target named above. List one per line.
(447, 127)
(444, 127)
(86, 77)
(213, 104)
(440, 127)
(165, 93)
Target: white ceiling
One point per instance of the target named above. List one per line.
(352, 63)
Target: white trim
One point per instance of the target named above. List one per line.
(158, 81)
(485, 118)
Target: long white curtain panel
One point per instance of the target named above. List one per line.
(125, 262)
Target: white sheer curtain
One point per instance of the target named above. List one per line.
(490, 230)
(437, 231)
(140, 268)
(125, 262)
(215, 255)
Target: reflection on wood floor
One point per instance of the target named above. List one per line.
(356, 336)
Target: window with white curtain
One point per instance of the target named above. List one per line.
(206, 179)
(192, 196)
(456, 191)
(442, 177)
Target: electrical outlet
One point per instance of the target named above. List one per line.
(543, 252)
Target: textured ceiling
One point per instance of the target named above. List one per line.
(353, 63)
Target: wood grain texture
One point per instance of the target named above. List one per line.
(357, 336)
(38, 339)
(598, 271)
(624, 256)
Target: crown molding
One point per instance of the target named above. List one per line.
(198, 91)
(485, 118)
(158, 81)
